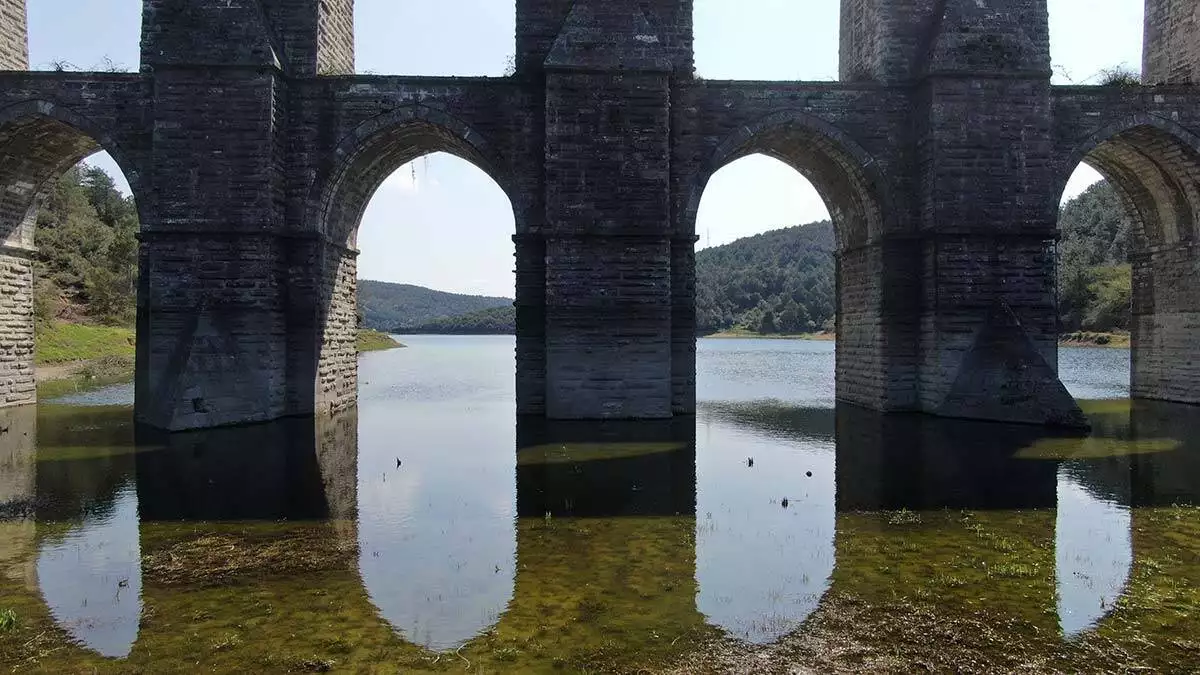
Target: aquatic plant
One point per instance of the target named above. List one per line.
(8, 620)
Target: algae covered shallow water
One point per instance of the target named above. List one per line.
(434, 531)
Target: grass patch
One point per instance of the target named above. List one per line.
(8, 620)
(374, 341)
(743, 333)
(57, 342)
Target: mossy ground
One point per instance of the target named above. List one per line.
(943, 591)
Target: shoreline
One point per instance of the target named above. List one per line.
(68, 377)
(1069, 340)
(747, 335)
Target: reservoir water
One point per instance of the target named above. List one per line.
(432, 530)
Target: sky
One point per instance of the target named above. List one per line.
(443, 223)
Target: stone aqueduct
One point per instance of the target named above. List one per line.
(252, 150)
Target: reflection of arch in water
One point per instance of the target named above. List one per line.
(1093, 546)
(97, 574)
(90, 576)
(606, 537)
(763, 568)
(89, 556)
(436, 530)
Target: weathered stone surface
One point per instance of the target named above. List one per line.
(252, 152)
(1004, 378)
(14, 38)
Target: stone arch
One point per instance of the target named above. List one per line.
(875, 283)
(845, 175)
(325, 281)
(39, 141)
(376, 148)
(1154, 166)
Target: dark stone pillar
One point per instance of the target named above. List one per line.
(608, 251)
(989, 326)
(531, 324)
(1166, 323)
(683, 325)
(213, 334)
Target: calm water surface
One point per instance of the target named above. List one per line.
(433, 530)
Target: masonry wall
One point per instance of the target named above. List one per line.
(1166, 322)
(14, 38)
(17, 383)
(941, 161)
(212, 321)
(882, 39)
(1171, 46)
(608, 250)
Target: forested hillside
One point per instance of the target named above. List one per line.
(393, 307)
(86, 261)
(777, 282)
(784, 281)
(1095, 278)
(495, 321)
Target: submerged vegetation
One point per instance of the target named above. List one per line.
(954, 591)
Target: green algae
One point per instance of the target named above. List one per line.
(1094, 448)
(567, 453)
(956, 590)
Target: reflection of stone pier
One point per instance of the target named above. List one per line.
(18, 463)
(18, 495)
(919, 463)
(606, 551)
(1171, 477)
(294, 469)
(606, 469)
(266, 509)
(937, 521)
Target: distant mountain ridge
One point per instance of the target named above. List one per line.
(391, 307)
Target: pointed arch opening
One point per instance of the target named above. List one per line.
(1128, 256)
(399, 160)
(68, 229)
(855, 280)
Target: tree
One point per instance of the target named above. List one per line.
(87, 249)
